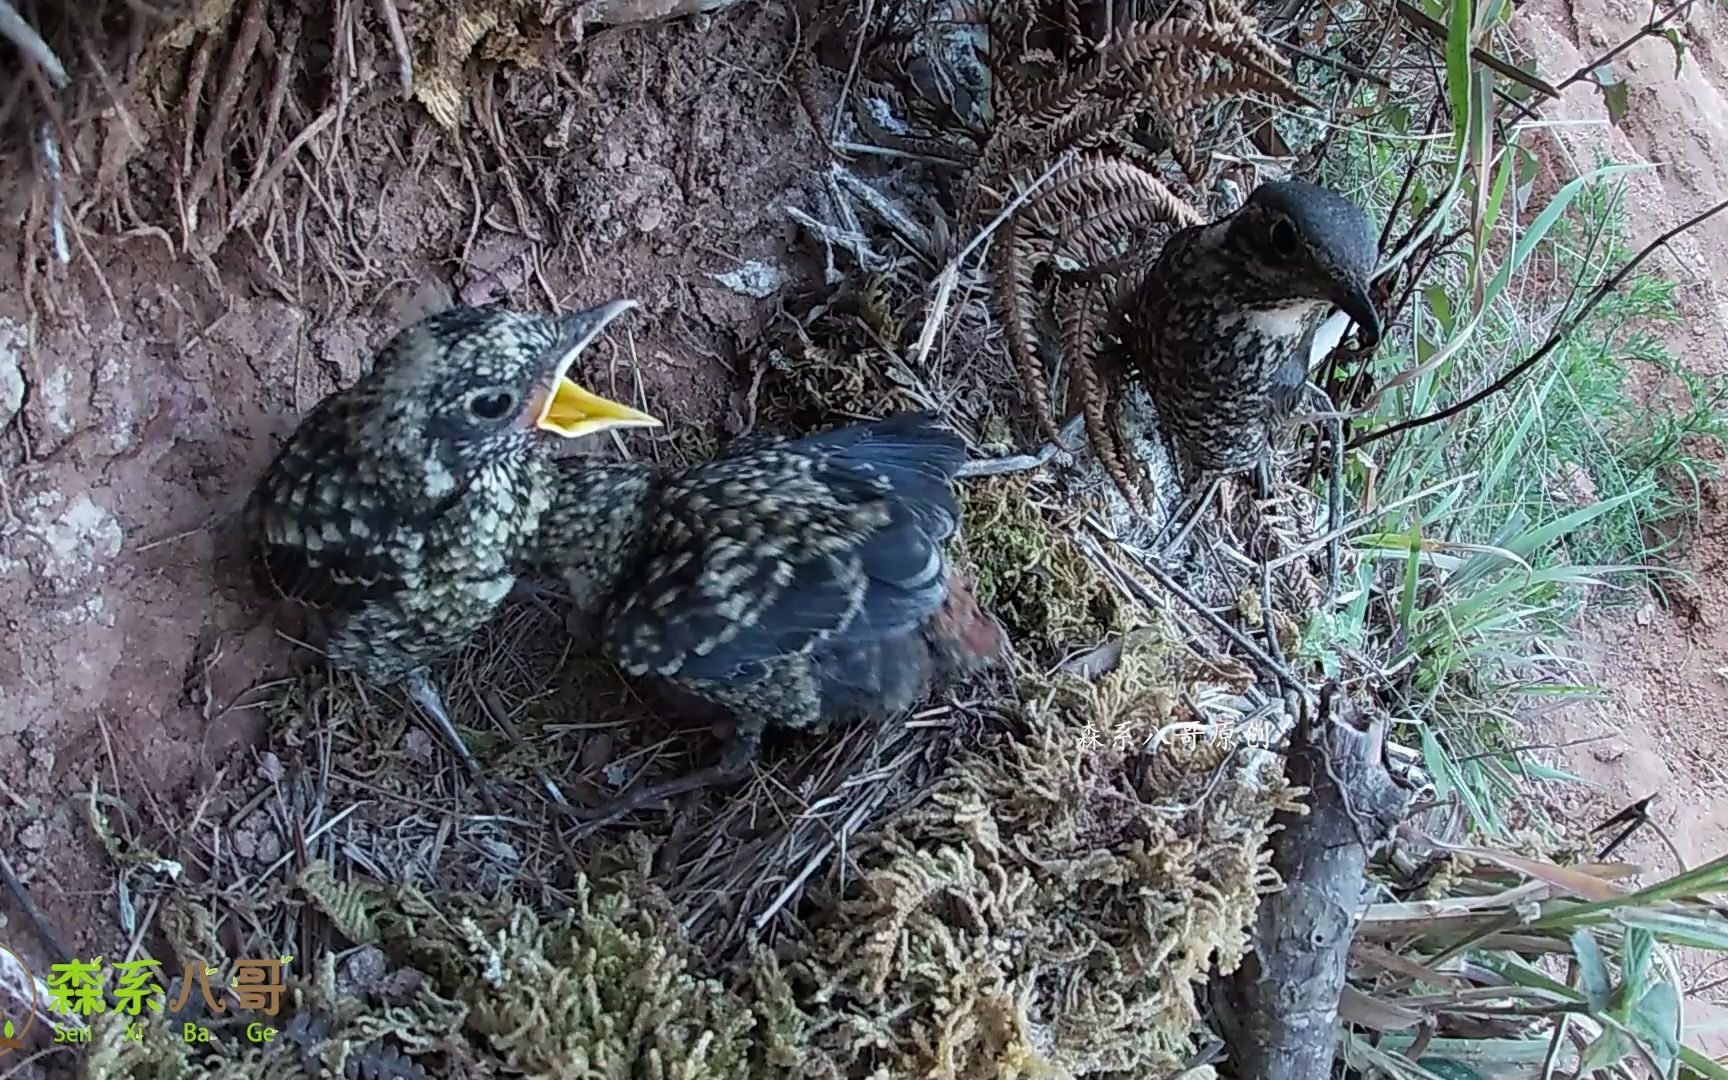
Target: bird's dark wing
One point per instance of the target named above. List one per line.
(332, 579)
(320, 533)
(771, 552)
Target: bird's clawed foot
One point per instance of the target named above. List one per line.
(420, 688)
(538, 595)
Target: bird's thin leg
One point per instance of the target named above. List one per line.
(1263, 475)
(1192, 509)
(733, 766)
(420, 688)
(538, 595)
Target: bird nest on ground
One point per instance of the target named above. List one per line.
(1043, 903)
(1031, 880)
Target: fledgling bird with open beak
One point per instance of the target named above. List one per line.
(793, 582)
(400, 507)
(1222, 324)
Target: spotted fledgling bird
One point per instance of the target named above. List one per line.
(794, 582)
(400, 507)
(1221, 326)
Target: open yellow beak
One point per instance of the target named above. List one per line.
(572, 411)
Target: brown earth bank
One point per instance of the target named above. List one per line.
(1665, 665)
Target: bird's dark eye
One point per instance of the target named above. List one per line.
(1284, 241)
(492, 405)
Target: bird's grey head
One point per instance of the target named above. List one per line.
(1299, 240)
(471, 385)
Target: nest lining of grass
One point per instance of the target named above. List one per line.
(1041, 896)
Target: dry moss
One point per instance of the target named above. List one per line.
(1051, 908)
(602, 989)
(843, 358)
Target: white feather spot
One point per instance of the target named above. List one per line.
(439, 480)
(1287, 321)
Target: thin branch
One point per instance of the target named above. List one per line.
(1657, 24)
(1018, 463)
(20, 33)
(1437, 31)
(1332, 62)
(851, 71)
(44, 933)
(1091, 546)
(950, 275)
(1555, 339)
(399, 42)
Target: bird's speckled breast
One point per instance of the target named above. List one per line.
(1210, 362)
(431, 582)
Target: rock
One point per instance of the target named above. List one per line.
(417, 746)
(34, 836)
(1608, 753)
(362, 971)
(11, 371)
(270, 767)
(755, 279)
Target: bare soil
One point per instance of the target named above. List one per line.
(1666, 664)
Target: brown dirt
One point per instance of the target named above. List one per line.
(153, 402)
(1666, 666)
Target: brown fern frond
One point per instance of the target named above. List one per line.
(1227, 12)
(1235, 83)
(1226, 41)
(1182, 134)
(1082, 316)
(1045, 107)
(1093, 186)
(887, 89)
(1072, 32)
(1085, 242)
(803, 77)
(990, 173)
(1130, 149)
(1156, 50)
(1094, 122)
(1013, 268)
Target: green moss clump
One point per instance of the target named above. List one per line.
(1031, 576)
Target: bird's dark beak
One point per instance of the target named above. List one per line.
(1355, 302)
(572, 410)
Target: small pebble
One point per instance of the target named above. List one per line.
(362, 971)
(34, 836)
